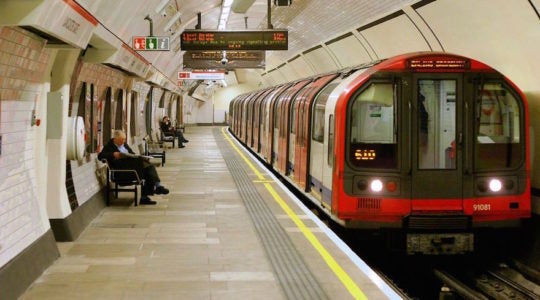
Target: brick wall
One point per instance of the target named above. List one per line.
(23, 61)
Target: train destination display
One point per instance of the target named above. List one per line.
(234, 40)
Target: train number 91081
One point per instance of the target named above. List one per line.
(481, 207)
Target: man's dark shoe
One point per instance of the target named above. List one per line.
(162, 190)
(185, 141)
(147, 201)
(181, 146)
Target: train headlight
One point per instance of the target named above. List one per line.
(362, 185)
(495, 185)
(376, 185)
(500, 185)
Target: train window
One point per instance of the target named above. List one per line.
(319, 111)
(373, 143)
(294, 113)
(330, 140)
(498, 127)
(436, 119)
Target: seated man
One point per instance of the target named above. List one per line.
(169, 130)
(113, 151)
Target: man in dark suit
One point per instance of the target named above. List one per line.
(115, 153)
(169, 130)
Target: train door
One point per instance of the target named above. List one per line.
(249, 120)
(438, 108)
(282, 124)
(256, 123)
(270, 144)
(259, 121)
(303, 140)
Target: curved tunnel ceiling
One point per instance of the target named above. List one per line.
(325, 35)
(126, 18)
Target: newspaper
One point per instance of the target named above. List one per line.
(130, 155)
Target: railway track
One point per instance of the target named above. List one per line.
(507, 280)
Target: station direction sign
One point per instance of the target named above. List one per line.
(201, 75)
(151, 43)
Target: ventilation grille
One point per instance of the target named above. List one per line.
(369, 203)
(438, 222)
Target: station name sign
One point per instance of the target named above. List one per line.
(201, 40)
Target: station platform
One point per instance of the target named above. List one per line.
(227, 230)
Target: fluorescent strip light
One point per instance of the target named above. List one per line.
(225, 12)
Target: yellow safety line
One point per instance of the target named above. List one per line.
(347, 281)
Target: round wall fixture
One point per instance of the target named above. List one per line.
(75, 138)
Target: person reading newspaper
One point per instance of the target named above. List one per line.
(120, 156)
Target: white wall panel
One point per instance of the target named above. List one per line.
(289, 72)
(277, 77)
(301, 67)
(395, 36)
(349, 51)
(321, 61)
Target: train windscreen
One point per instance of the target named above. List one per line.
(498, 131)
(372, 134)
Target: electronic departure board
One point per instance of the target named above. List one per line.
(234, 40)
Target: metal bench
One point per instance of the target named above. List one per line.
(154, 149)
(122, 180)
(166, 138)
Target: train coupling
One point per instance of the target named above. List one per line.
(440, 243)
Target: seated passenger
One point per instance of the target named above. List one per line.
(112, 152)
(169, 130)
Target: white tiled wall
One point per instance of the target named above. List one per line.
(22, 64)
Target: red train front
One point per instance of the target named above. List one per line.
(432, 144)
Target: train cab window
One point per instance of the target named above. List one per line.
(372, 138)
(498, 131)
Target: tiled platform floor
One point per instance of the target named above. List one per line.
(198, 242)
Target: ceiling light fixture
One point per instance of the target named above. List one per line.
(171, 22)
(161, 6)
(225, 13)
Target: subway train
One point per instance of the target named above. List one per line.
(431, 144)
